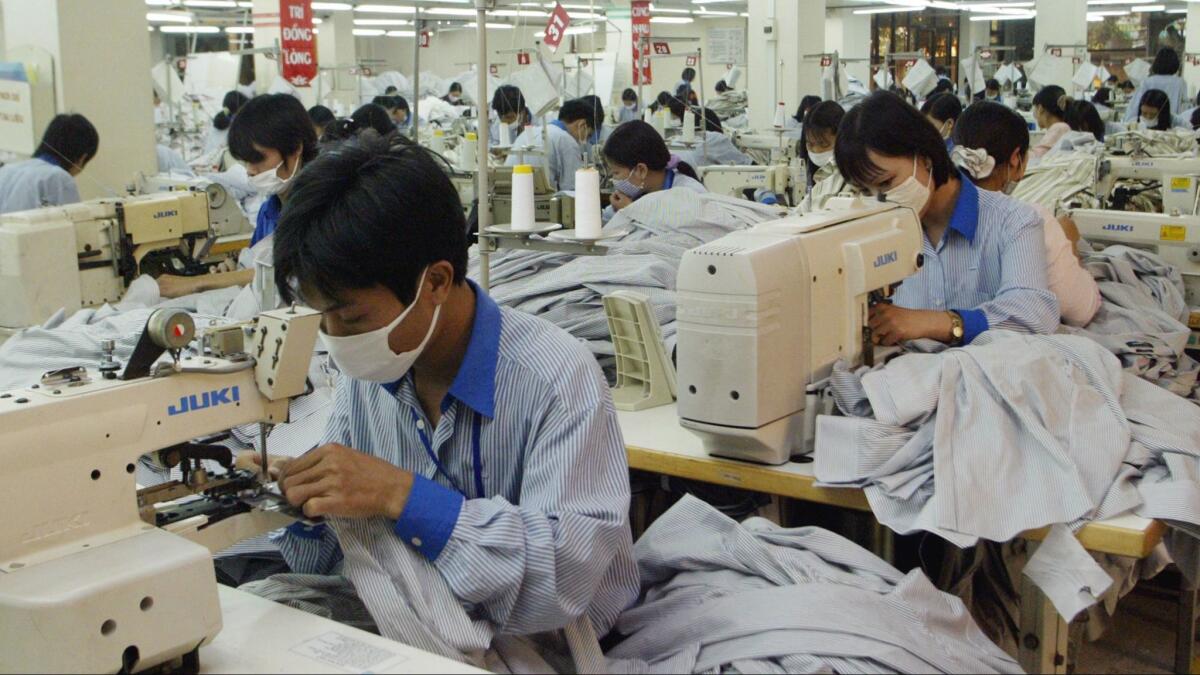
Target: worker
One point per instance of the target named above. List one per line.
(321, 118)
(795, 123)
(1164, 76)
(481, 438)
(640, 163)
(1047, 110)
(1155, 111)
(629, 107)
(1082, 116)
(391, 90)
(218, 134)
(562, 139)
(685, 90)
(511, 115)
(942, 111)
(170, 161)
(397, 109)
(372, 116)
(984, 255)
(713, 146)
(991, 91)
(69, 143)
(993, 150)
(273, 137)
(817, 141)
(1101, 100)
(600, 135)
(455, 95)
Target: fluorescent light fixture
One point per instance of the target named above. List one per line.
(713, 14)
(668, 10)
(369, 32)
(447, 11)
(1147, 8)
(386, 9)
(215, 4)
(245, 4)
(332, 6)
(518, 12)
(172, 17)
(401, 33)
(887, 10)
(1003, 17)
(671, 19)
(382, 22)
(239, 29)
(189, 29)
(492, 26)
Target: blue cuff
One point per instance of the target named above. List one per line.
(306, 531)
(974, 323)
(429, 517)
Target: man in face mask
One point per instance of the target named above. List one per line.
(454, 96)
(273, 137)
(562, 141)
(481, 438)
(984, 256)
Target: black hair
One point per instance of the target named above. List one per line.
(994, 128)
(712, 121)
(939, 70)
(991, 83)
(232, 102)
(1083, 116)
(722, 87)
(942, 107)
(1112, 78)
(1127, 84)
(508, 100)
(69, 138)
(454, 86)
(824, 117)
(677, 107)
(597, 109)
(390, 90)
(1195, 119)
(368, 214)
(399, 103)
(1158, 99)
(1102, 96)
(629, 95)
(321, 116)
(807, 103)
(276, 121)
(636, 142)
(661, 101)
(688, 74)
(886, 124)
(943, 87)
(1166, 62)
(1049, 99)
(388, 103)
(582, 109)
(372, 116)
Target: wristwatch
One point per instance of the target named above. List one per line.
(957, 328)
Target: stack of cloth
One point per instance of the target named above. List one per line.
(1150, 143)
(1060, 177)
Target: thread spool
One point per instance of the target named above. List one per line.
(587, 204)
(689, 126)
(660, 123)
(438, 144)
(648, 116)
(781, 115)
(522, 198)
(467, 152)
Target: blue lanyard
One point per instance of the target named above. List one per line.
(476, 452)
(670, 181)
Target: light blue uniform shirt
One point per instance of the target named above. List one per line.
(627, 114)
(720, 150)
(1173, 86)
(35, 183)
(170, 161)
(564, 154)
(521, 491)
(990, 267)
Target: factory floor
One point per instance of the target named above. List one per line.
(1143, 637)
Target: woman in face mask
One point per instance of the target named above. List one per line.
(942, 111)
(1048, 111)
(629, 107)
(992, 146)
(273, 137)
(817, 137)
(640, 163)
(1155, 111)
(984, 258)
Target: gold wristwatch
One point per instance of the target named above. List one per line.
(957, 328)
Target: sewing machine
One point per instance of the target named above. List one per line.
(769, 147)
(549, 206)
(743, 181)
(86, 254)
(96, 575)
(1179, 177)
(1175, 238)
(763, 314)
(225, 216)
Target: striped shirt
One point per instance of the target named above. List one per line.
(524, 512)
(990, 267)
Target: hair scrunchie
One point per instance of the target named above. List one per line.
(975, 161)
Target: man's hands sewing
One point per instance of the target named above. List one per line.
(337, 481)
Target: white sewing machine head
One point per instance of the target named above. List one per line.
(735, 181)
(1178, 176)
(86, 254)
(225, 216)
(88, 583)
(764, 314)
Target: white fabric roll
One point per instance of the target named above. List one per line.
(467, 152)
(587, 204)
(660, 123)
(522, 198)
(781, 115)
(689, 126)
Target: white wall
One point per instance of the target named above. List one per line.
(849, 34)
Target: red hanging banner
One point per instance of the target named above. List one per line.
(523, 58)
(640, 18)
(425, 37)
(297, 42)
(556, 29)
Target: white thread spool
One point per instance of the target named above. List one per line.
(522, 198)
(438, 144)
(587, 204)
(660, 123)
(689, 126)
(467, 152)
(648, 116)
(780, 115)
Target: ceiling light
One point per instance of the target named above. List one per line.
(386, 9)
(331, 6)
(671, 19)
(491, 25)
(239, 29)
(369, 32)
(401, 33)
(189, 29)
(174, 17)
(1147, 8)
(216, 4)
(382, 22)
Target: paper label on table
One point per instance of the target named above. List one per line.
(1173, 233)
(350, 654)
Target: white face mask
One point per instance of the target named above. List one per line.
(454, 98)
(911, 193)
(368, 356)
(821, 159)
(1149, 122)
(269, 183)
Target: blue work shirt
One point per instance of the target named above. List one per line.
(564, 154)
(268, 219)
(521, 491)
(34, 183)
(990, 267)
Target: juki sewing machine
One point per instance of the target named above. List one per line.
(1179, 177)
(548, 205)
(764, 314)
(225, 217)
(96, 575)
(1175, 238)
(743, 181)
(86, 254)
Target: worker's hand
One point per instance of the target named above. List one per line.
(229, 264)
(249, 459)
(334, 480)
(174, 286)
(619, 200)
(892, 325)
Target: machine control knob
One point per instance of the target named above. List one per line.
(1194, 254)
(109, 365)
(171, 329)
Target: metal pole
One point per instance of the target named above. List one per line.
(483, 210)
(418, 24)
(637, 70)
(703, 110)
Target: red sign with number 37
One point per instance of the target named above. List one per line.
(556, 29)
